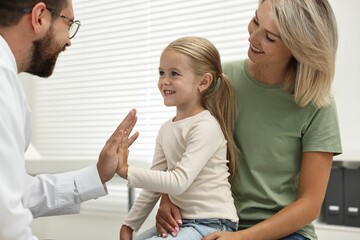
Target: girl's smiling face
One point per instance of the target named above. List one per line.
(178, 83)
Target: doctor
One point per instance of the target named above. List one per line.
(32, 35)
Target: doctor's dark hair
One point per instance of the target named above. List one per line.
(219, 98)
(12, 11)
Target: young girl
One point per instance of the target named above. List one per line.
(195, 151)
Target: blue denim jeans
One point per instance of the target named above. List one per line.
(295, 236)
(193, 229)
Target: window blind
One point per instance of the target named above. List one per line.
(111, 67)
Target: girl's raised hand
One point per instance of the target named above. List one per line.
(123, 152)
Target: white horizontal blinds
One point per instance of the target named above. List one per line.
(112, 65)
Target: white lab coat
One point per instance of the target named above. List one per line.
(22, 196)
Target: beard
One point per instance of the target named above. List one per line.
(44, 55)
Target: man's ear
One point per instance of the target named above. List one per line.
(39, 22)
(205, 82)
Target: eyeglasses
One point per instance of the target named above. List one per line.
(74, 25)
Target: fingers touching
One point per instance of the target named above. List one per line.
(123, 153)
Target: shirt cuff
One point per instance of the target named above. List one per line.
(130, 176)
(88, 183)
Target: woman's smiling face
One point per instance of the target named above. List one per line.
(266, 45)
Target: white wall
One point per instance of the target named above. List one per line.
(347, 76)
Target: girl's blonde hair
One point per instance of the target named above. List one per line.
(219, 97)
(308, 29)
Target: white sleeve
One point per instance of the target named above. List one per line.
(57, 194)
(141, 209)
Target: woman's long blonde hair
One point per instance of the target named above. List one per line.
(219, 97)
(308, 29)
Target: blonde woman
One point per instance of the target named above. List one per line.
(195, 151)
(287, 129)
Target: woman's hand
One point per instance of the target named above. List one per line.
(125, 233)
(168, 218)
(225, 236)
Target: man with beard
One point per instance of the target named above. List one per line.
(32, 35)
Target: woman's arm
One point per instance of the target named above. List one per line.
(314, 176)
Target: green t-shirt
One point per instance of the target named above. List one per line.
(272, 132)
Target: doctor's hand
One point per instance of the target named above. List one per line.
(108, 158)
(125, 233)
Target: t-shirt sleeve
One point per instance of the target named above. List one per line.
(322, 133)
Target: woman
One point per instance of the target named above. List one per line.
(287, 129)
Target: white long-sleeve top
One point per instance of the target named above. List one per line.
(22, 196)
(190, 165)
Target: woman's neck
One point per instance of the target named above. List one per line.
(266, 73)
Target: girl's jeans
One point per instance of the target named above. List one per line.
(193, 229)
(197, 229)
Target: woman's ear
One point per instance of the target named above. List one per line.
(205, 82)
(39, 22)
